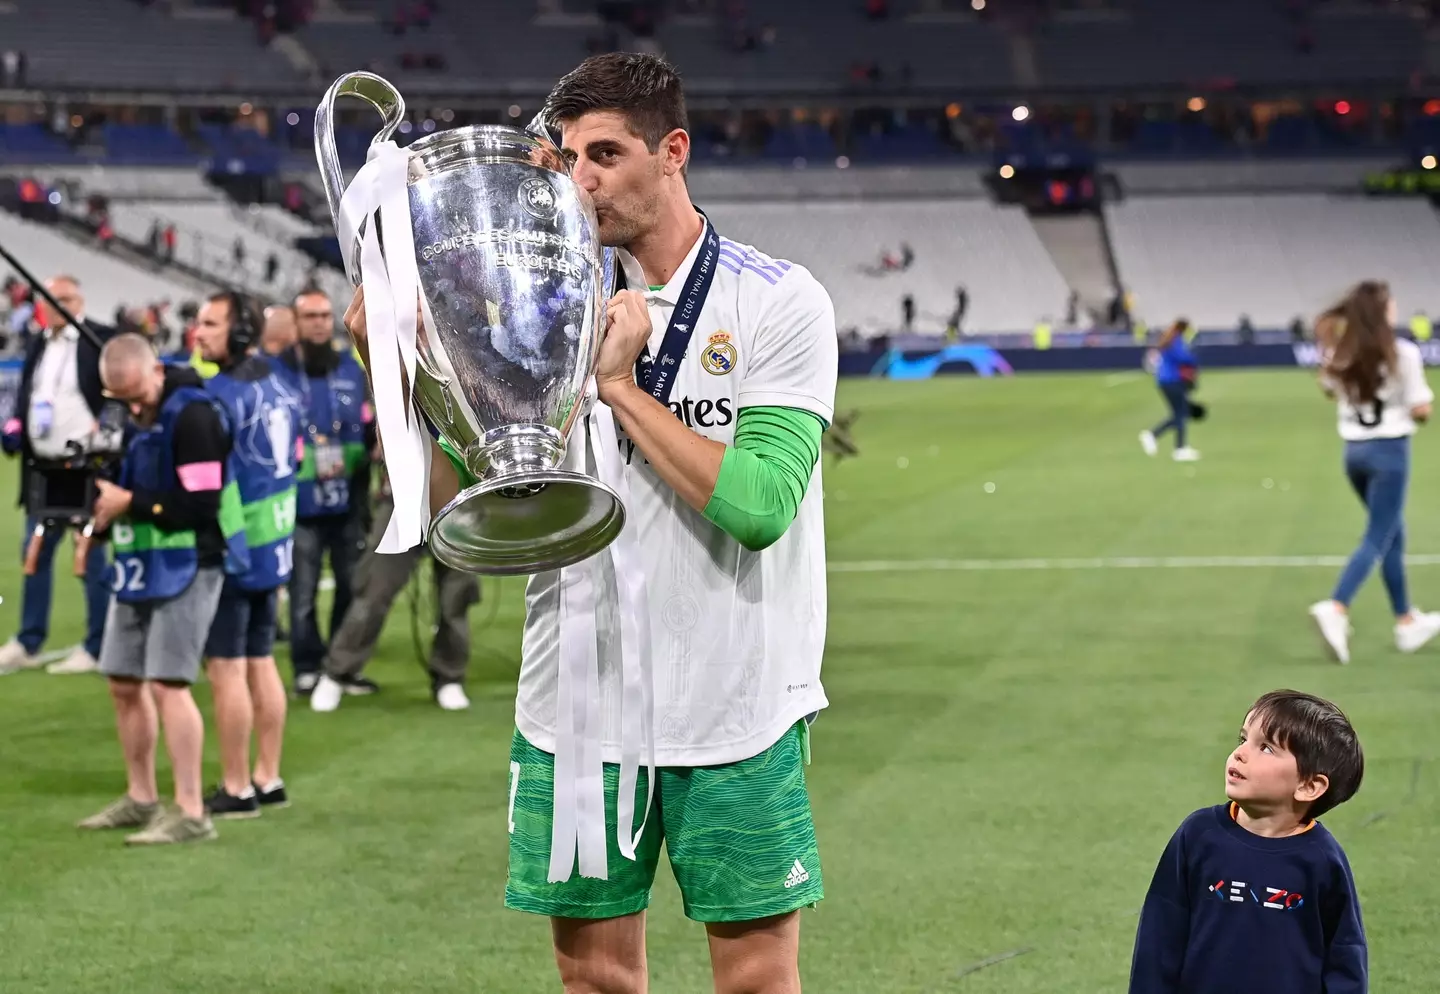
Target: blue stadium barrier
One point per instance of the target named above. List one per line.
(984, 360)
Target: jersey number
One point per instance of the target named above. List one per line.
(129, 576)
(332, 493)
(1377, 408)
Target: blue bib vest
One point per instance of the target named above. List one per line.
(152, 564)
(333, 427)
(264, 416)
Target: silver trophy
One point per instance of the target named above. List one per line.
(513, 285)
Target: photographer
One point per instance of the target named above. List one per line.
(56, 411)
(249, 694)
(175, 524)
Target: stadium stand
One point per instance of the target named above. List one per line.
(108, 282)
(1165, 42)
(1270, 257)
(124, 45)
(991, 249)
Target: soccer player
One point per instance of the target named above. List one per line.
(721, 456)
(1175, 372)
(1378, 382)
(1256, 895)
(239, 658)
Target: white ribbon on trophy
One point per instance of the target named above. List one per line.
(392, 290)
(579, 808)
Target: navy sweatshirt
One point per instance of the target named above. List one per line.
(1232, 911)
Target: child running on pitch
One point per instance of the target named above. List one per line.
(1255, 895)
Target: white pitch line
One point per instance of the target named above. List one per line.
(1123, 562)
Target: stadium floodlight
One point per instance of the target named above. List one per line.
(292, 119)
(514, 110)
(842, 162)
(977, 4)
(1021, 113)
(1428, 162)
(1196, 104)
(1007, 171)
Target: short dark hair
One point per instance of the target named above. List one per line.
(237, 306)
(644, 88)
(1320, 737)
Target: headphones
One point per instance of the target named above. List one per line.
(243, 333)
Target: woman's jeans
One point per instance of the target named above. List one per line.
(1176, 397)
(1379, 470)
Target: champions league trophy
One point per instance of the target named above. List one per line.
(512, 285)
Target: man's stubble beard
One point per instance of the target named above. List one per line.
(625, 230)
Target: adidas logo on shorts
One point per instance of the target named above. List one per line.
(797, 876)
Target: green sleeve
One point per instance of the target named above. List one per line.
(467, 479)
(764, 474)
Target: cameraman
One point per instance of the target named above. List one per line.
(57, 407)
(170, 544)
(249, 694)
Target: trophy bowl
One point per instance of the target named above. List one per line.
(512, 294)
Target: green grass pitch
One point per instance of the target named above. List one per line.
(1006, 752)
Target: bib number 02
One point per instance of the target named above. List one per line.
(129, 575)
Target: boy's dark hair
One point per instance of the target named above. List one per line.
(1321, 739)
(645, 88)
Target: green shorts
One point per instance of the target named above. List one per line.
(740, 838)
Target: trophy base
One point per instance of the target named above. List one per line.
(526, 523)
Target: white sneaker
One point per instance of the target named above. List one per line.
(1334, 625)
(13, 657)
(1421, 628)
(327, 695)
(1186, 454)
(77, 662)
(1148, 443)
(451, 697)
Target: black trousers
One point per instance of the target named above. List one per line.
(378, 581)
(337, 536)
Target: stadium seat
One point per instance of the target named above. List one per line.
(1273, 257)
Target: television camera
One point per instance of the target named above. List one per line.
(60, 493)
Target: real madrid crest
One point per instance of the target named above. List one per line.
(719, 355)
(539, 199)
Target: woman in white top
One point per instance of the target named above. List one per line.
(1378, 382)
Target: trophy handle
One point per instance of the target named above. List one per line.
(379, 93)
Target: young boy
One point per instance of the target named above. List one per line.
(1256, 895)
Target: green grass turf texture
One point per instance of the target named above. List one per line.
(1005, 754)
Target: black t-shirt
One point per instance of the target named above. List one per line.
(199, 438)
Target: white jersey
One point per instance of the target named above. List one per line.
(737, 635)
(1388, 416)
